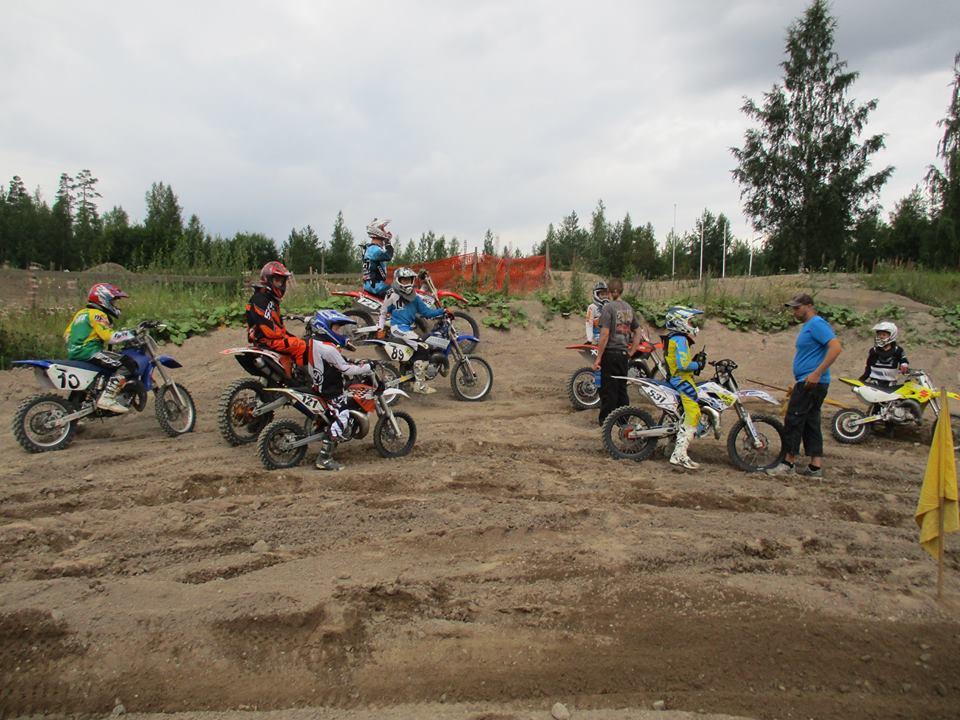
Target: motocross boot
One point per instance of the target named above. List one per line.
(679, 456)
(325, 459)
(420, 375)
(108, 398)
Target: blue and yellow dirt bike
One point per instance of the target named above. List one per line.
(48, 421)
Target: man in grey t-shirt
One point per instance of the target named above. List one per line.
(618, 327)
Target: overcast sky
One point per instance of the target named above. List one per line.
(446, 116)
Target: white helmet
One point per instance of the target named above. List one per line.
(679, 319)
(378, 229)
(887, 327)
(403, 280)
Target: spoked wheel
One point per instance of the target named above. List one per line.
(619, 434)
(176, 415)
(363, 318)
(843, 428)
(236, 421)
(461, 319)
(768, 452)
(582, 389)
(389, 375)
(390, 443)
(472, 379)
(273, 446)
(33, 423)
(954, 425)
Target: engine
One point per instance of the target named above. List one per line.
(903, 412)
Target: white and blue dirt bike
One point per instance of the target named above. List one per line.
(755, 442)
(283, 443)
(48, 421)
(471, 377)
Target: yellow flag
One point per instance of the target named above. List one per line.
(939, 481)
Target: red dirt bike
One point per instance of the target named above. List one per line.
(368, 305)
(583, 386)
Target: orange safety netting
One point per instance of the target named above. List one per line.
(486, 272)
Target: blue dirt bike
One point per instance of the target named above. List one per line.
(48, 421)
(471, 377)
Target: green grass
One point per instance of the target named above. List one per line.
(186, 310)
(931, 287)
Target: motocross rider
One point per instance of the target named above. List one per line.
(681, 369)
(376, 255)
(264, 321)
(327, 370)
(404, 307)
(886, 359)
(89, 332)
(601, 296)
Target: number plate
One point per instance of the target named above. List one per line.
(65, 377)
(398, 352)
(369, 303)
(309, 402)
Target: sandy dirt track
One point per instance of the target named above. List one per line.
(506, 565)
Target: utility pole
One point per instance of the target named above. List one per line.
(701, 248)
(750, 265)
(673, 241)
(723, 261)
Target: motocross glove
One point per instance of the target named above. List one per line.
(701, 360)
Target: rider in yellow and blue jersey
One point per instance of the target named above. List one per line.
(682, 368)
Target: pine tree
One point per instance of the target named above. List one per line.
(60, 233)
(488, 243)
(945, 184)
(87, 230)
(163, 225)
(302, 250)
(803, 174)
(342, 256)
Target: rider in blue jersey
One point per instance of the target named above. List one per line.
(404, 306)
(376, 256)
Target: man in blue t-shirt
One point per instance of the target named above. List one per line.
(816, 349)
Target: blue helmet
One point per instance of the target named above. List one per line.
(321, 325)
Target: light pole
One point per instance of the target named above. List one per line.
(673, 241)
(701, 248)
(723, 260)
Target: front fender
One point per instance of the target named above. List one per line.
(168, 361)
(471, 338)
(451, 294)
(757, 395)
(394, 392)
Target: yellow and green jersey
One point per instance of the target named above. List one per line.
(87, 334)
(678, 359)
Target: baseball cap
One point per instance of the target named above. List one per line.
(802, 299)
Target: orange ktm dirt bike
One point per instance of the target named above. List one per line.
(283, 443)
(246, 405)
(368, 305)
(583, 386)
(893, 407)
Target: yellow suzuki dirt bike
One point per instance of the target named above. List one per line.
(892, 407)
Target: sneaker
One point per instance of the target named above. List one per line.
(807, 472)
(327, 463)
(781, 469)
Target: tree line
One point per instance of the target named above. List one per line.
(71, 234)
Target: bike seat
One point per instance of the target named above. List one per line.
(81, 365)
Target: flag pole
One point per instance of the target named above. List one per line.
(940, 552)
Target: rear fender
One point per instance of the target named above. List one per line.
(854, 382)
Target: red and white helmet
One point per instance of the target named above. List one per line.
(273, 269)
(377, 229)
(104, 296)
